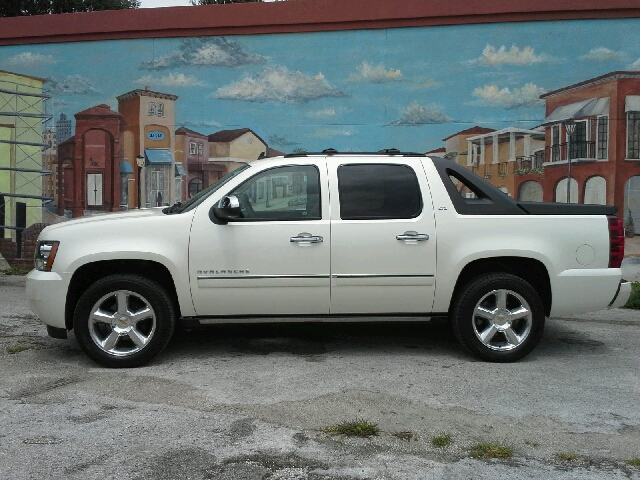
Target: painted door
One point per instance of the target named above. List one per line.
(383, 239)
(274, 260)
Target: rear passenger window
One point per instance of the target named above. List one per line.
(375, 191)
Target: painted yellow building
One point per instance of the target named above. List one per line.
(21, 116)
(233, 147)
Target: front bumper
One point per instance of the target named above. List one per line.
(47, 295)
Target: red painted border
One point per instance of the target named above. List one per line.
(297, 16)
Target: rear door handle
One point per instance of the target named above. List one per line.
(415, 236)
(305, 237)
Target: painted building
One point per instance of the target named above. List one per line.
(89, 170)
(604, 149)
(456, 146)
(149, 135)
(232, 148)
(192, 154)
(50, 164)
(22, 112)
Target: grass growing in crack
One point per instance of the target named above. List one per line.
(634, 462)
(441, 441)
(490, 450)
(408, 436)
(21, 347)
(355, 428)
(567, 457)
(14, 271)
(634, 298)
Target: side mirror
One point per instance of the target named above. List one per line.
(228, 208)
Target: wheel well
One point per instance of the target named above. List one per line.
(530, 270)
(86, 275)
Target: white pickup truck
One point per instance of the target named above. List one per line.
(329, 237)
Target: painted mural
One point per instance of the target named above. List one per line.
(135, 123)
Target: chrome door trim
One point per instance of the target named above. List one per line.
(254, 277)
(374, 275)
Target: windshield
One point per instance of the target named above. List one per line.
(197, 199)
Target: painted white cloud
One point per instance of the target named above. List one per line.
(494, 96)
(28, 59)
(602, 54)
(173, 80)
(635, 65)
(278, 84)
(492, 56)
(73, 84)
(199, 51)
(416, 114)
(377, 74)
(332, 132)
(202, 124)
(323, 113)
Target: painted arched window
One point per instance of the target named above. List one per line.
(195, 186)
(595, 191)
(561, 191)
(530, 191)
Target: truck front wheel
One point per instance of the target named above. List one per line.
(124, 320)
(499, 317)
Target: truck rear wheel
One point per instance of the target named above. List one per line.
(124, 320)
(499, 317)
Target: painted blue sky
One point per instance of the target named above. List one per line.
(406, 88)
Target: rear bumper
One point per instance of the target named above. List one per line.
(622, 295)
(587, 290)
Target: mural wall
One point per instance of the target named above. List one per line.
(153, 121)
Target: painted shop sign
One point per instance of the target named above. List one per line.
(156, 135)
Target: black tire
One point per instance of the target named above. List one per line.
(499, 317)
(124, 321)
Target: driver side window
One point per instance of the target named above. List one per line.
(281, 193)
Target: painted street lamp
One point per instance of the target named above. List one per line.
(570, 127)
(140, 163)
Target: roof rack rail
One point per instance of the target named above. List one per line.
(333, 151)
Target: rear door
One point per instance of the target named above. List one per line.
(383, 238)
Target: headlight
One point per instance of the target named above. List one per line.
(45, 255)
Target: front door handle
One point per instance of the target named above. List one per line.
(305, 237)
(415, 236)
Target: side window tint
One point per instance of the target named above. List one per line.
(283, 193)
(375, 191)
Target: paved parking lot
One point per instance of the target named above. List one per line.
(251, 402)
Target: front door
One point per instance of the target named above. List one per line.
(274, 260)
(383, 239)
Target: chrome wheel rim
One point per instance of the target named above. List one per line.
(122, 323)
(502, 320)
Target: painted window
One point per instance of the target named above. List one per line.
(530, 191)
(152, 109)
(633, 135)
(373, 191)
(603, 137)
(200, 148)
(555, 143)
(595, 191)
(160, 112)
(195, 186)
(94, 189)
(579, 141)
(192, 148)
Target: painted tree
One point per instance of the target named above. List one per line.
(16, 8)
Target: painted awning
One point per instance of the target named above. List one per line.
(632, 103)
(125, 168)
(581, 109)
(180, 171)
(158, 156)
